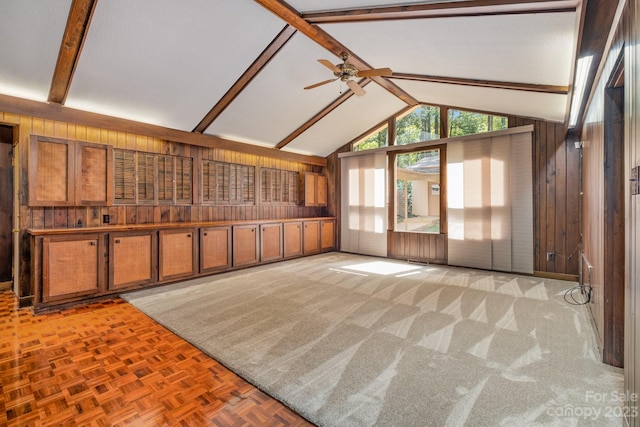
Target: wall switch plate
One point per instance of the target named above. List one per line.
(634, 180)
(106, 219)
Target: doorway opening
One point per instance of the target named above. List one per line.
(6, 207)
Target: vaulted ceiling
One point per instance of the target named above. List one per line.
(236, 69)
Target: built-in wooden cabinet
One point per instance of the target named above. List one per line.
(311, 237)
(77, 264)
(177, 253)
(292, 239)
(215, 249)
(327, 234)
(271, 242)
(69, 173)
(315, 189)
(72, 266)
(245, 245)
(132, 259)
(94, 174)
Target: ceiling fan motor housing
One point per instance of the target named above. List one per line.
(347, 71)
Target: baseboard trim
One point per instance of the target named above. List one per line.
(557, 276)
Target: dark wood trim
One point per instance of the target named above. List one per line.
(596, 23)
(439, 10)
(562, 90)
(614, 227)
(73, 39)
(265, 57)
(392, 131)
(444, 121)
(316, 118)
(58, 112)
(318, 35)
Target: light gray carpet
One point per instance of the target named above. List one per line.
(345, 345)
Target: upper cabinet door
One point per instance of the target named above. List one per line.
(94, 174)
(51, 165)
(69, 173)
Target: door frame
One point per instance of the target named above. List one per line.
(15, 226)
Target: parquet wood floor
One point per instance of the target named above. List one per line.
(107, 364)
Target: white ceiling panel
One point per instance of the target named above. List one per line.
(350, 119)
(31, 32)
(275, 104)
(528, 104)
(167, 63)
(525, 48)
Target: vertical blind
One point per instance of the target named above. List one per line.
(364, 204)
(490, 203)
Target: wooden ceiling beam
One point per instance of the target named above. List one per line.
(267, 55)
(315, 119)
(75, 33)
(527, 87)
(317, 34)
(57, 112)
(442, 10)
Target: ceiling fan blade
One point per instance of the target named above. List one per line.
(329, 65)
(321, 83)
(355, 87)
(374, 72)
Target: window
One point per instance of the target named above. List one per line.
(418, 191)
(469, 123)
(378, 138)
(421, 123)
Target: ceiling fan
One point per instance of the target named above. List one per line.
(346, 71)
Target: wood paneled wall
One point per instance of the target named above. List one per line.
(556, 198)
(91, 216)
(600, 211)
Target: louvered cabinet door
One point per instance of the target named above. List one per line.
(177, 253)
(132, 259)
(124, 176)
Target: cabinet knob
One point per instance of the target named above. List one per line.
(92, 243)
(205, 234)
(189, 235)
(117, 240)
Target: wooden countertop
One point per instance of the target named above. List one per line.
(162, 226)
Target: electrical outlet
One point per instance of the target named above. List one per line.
(550, 256)
(106, 219)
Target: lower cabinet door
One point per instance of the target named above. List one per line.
(270, 242)
(245, 245)
(132, 259)
(177, 253)
(72, 266)
(311, 237)
(292, 239)
(215, 249)
(327, 232)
